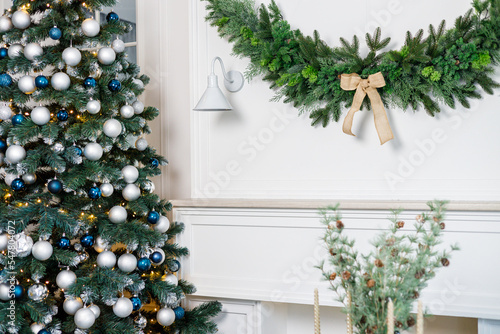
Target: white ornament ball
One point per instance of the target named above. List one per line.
(93, 107)
(22, 244)
(71, 56)
(15, 154)
(118, 46)
(84, 318)
(35, 328)
(130, 174)
(171, 279)
(9, 178)
(40, 115)
(42, 250)
(5, 113)
(5, 23)
(127, 263)
(32, 50)
(123, 307)
(91, 28)
(27, 84)
(14, 50)
(165, 316)
(100, 245)
(106, 189)
(4, 241)
(65, 279)
(21, 19)
(5, 292)
(163, 225)
(138, 107)
(162, 252)
(141, 144)
(95, 309)
(29, 178)
(112, 128)
(127, 111)
(106, 259)
(131, 192)
(139, 83)
(118, 214)
(72, 305)
(93, 151)
(60, 81)
(106, 56)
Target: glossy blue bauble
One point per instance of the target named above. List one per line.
(114, 85)
(43, 331)
(41, 81)
(156, 257)
(174, 266)
(144, 264)
(3, 53)
(5, 80)
(95, 193)
(62, 115)
(18, 291)
(87, 240)
(18, 184)
(179, 313)
(64, 243)
(17, 119)
(153, 217)
(3, 145)
(112, 16)
(90, 82)
(55, 186)
(55, 33)
(136, 303)
(78, 150)
(154, 162)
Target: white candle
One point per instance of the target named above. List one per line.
(420, 318)
(349, 319)
(390, 317)
(317, 329)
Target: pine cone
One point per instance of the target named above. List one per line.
(419, 274)
(340, 225)
(390, 241)
(420, 219)
(400, 224)
(457, 62)
(443, 226)
(436, 219)
(410, 322)
(394, 252)
(332, 252)
(399, 324)
(416, 295)
(445, 262)
(346, 275)
(370, 283)
(333, 276)
(379, 263)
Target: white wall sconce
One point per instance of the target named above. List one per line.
(213, 99)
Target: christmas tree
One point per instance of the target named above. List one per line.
(86, 246)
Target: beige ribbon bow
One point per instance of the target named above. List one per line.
(368, 87)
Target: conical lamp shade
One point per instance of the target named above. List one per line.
(213, 99)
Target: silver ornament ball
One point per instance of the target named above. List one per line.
(131, 192)
(93, 107)
(72, 305)
(141, 144)
(171, 279)
(165, 316)
(29, 178)
(15, 154)
(138, 83)
(60, 81)
(84, 318)
(32, 50)
(5, 292)
(91, 28)
(163, 225)
(106, 259)
(127, 263)
(38, 292)
(127, 111)
(118, 46)
(26, 84)
(130, 174)
(21, 19)
(5, 113)
(72, 56)
(141, 321)
(93, 151)
(112, 128)
(9, 178)
(138, 107)
(65, 279)
(106, 56)
(36, 327)
(15, 50)
(95, 309)
(4, 241)
(40, 115)
(123, 307)
(106, 189)
(42, 250)
(118, 214)
(100, 245)
(5, 23)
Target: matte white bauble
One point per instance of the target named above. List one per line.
(165, 316)
(123, 307)
(91, 28)
(130, 174)
(138, 107)
(15, 50)
(163, 225)
(60, 81)
(21, 19)
(5, 113)
(72, 56)
(5, 23)
(131, 192)
(171, 279)
(84, 318)
(141, 144)
(72, 305)
(27, 84)
(106, 56)
(127, 111)
(42, 250)
(15, 154)
(112, 128)
(95, 309)
(65, 279)
(5, 292)
(93, 107)
(106, 259)
(40, 115)
(32, 50)
(4, 241)
(138, 83)
(106, 189)
(93, 151)
(9, 178)
(162, 252)
(118, 45)
(29, 178)
(118, 214)
(127, 263)
(35, 328)
(100, 245)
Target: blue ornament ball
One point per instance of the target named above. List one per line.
(64, 243)
(114, 85)
(43, 331)
(3, 53)
(3, 145)
(18, 184)
(17, 119)
(5, 80)
(153, 217)
(154, 162)
(136, 303)
(18, 291)
(144, 264)
(90, 82)
(87, 240)
(112, 16)
(62, 115)
(95, 193)
(55, 186)
(41, 81)
(156, 257)
(55, 33)
(78, 151)
(174, 266)
(179, 313)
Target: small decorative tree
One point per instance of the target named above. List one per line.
(398, 269)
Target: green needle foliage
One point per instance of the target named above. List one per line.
(54, 150)
(306, 72)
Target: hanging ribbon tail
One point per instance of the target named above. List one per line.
(356, 106)
(380, 116)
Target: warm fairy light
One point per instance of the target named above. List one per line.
(82, 214)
